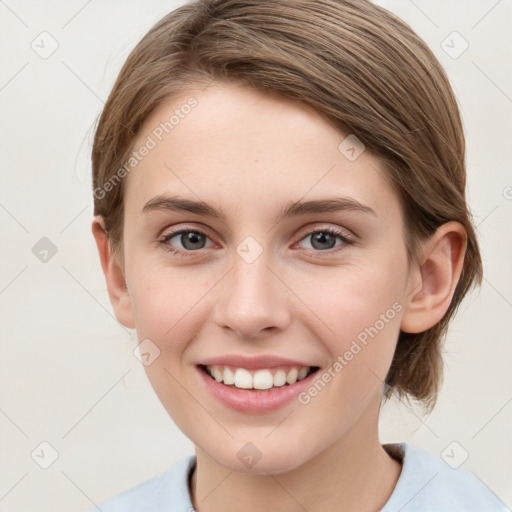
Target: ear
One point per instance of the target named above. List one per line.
(114, 275)
(432, 284)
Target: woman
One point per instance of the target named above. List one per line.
(280, 214)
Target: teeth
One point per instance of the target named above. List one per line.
(262, 379)
(243, 379)
(259, 379)
(279, 378)
(302, 373)
(229, 376)
(217, 374)
(292, 376)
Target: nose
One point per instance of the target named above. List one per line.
(254, 301)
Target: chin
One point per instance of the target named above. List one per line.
(259, 459)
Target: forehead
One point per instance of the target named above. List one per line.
(230, 144)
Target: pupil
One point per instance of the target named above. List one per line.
(190, 240)
(321, 238)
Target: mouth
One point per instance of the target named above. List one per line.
(255, 385)
(263, 379)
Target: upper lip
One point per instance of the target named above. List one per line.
(263, 361)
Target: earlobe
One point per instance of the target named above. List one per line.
(433, 282)
(114, 276)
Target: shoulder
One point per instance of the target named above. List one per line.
(427, 483)
(167, 492)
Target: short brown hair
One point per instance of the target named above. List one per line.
(361, 67)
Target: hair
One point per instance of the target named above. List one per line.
(355, 63)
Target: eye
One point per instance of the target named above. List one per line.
(324, 239)
(190, 239)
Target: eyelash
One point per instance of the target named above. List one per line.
(333, 231)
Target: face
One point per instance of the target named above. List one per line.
(265, 285)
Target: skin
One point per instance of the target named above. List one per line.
(250, 153)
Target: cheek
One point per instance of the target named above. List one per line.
(355, 299)
(164, 304)
(166, 310)
(365, 317)
(361, 308)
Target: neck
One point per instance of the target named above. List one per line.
(354, 473)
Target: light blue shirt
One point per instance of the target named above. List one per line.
(426, 484)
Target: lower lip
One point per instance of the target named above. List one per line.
(255, 401)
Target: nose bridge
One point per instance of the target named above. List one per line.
(253, 299)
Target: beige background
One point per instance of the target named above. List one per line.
(68, 376)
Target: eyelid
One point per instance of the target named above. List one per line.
(171, 232)
(314, 227)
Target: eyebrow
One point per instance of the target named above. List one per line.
(292, 209)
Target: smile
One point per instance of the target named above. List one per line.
(262, 379)
(256, 390)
